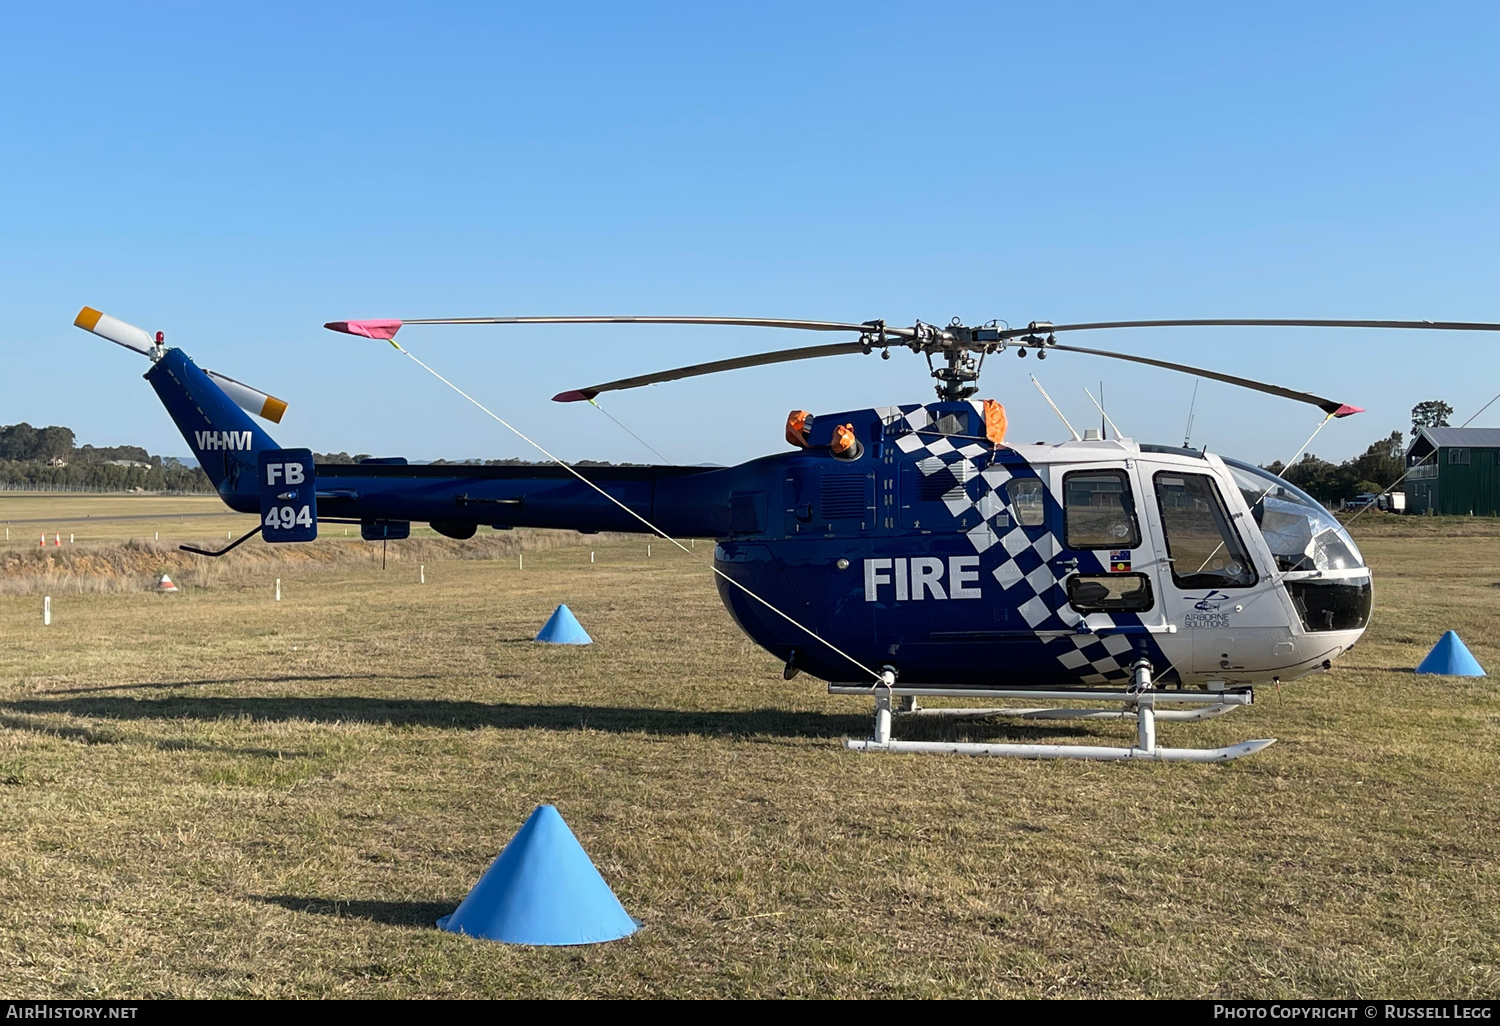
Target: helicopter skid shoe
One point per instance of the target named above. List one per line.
(1138, 703)
(1096, 753)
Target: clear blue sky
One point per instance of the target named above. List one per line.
(237, 176)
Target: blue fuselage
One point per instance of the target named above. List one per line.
(929, 549)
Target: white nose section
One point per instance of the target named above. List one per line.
(251, 400)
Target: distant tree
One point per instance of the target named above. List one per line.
(18, 442)
(1318, 478)
(1430, 413)
(104, 453)
(1383, 462)
(54, 443)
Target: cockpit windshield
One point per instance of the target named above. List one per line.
(1302, 534)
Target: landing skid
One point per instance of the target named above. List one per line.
(1139, 702)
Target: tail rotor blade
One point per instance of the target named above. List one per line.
(251, 400)
(117, 331)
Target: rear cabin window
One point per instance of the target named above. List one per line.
(1204, 549)
(1110, 593)
(950, 424)
(1099, 510)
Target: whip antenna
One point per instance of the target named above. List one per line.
(1188, 431)
(1055, 410)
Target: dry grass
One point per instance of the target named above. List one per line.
(216, 794)
(129, 541)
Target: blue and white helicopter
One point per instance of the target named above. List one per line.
(902, 551)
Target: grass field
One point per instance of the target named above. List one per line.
(113, 518)
(216, 794)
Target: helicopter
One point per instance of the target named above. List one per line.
(905, 552)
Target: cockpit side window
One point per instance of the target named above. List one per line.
(1026, 503)
(1099, 510)
(1204, 548)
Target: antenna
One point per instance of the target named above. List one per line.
(1102, 417)
(1055, 410)
(1187, 433)
(1118, 434)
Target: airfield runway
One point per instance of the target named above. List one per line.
(217, 794)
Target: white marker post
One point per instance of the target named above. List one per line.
(591, 555)
(423, 571)
(648, 552)
(158, 536)
(47, 611)
(520, 561)
(278, 589)
(70, 539)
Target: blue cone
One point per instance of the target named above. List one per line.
(564, 629)
(1451, 658)
(542, 890)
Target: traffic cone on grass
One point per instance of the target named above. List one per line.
(543, 889)
(1450, 657)
(563, 628)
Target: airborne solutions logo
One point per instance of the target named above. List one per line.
(1208, 615)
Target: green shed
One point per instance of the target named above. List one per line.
(1454, 472)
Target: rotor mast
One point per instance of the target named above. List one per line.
(962, 350)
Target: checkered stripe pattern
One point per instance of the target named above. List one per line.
(1023, 561)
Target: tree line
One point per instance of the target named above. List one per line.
(1372, 472)
(1382, 465)
(49, 457)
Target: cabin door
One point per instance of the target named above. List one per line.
(1212, 586)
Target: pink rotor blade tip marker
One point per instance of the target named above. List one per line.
(381, 329)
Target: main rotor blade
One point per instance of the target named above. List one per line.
(1328, 406)
(757, 360)
(1254, 322)
(753, 322)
